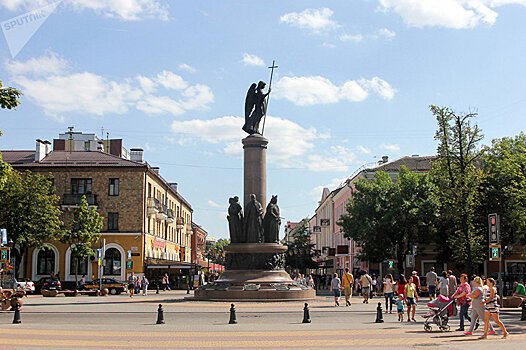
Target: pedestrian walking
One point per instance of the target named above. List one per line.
(416, 281)
(389, 288)
(463, 301)
(477, 307)
(411, 294)
(492, 309)
(373, 286)
(400, 307)
(431, 279)
(131, 284)
(144, 285)
(365, 283)
(166, 282)
(137, 286)
(348, 281)
(310, 282)
(400, 285)
(443, 285)
(452, 283)
(336, 287)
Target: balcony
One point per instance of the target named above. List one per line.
(180, 223)
(171, 216)
(162, 214)
(152, 205)
(73, 200)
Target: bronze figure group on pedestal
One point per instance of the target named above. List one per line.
(253, 227)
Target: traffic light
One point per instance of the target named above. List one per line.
(4, 255)
(494, 252)
(494, 229)
(390, 264)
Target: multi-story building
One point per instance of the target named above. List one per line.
(337, 252)
(147, 222)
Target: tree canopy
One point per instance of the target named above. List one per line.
(9, 97)
(386, 218)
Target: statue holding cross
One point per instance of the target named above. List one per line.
(256, 104)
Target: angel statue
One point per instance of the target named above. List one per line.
(255, 107)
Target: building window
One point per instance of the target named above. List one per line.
(112, 262)
(149, 189)
(45, 261)
(114, 187)
(82, 266)
(113, 221)
(80, 186)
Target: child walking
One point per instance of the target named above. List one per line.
(400, 307)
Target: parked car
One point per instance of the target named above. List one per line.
(112, 285)
(47, 283)
(25, 285)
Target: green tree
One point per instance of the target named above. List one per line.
(458, 177)
(29, 211)
(216, 252)
(8, 97)
(386, 218)
(504, 188)
(84, 232)
(299, 248)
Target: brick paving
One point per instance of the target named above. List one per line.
(117, 322)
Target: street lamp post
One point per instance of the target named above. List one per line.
(12, 260)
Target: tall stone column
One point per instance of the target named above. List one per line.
(255, 168)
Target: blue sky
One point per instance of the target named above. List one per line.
(354, 83)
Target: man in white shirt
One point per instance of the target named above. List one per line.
(365, 283)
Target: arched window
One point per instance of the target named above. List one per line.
(45, 261)
(112, 262)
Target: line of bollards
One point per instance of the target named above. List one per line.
(232, 320)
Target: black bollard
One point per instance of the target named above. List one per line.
(523, 316)
(379, 317)
(188, 289)
(160, 315)
(157, 288)
(306, 315)
(232, 315)
(16, 319)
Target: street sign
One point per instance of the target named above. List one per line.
(129, 254)
(4, 255)
(99, 256)
(494, 228)
(494, 252)
(414, 250)
(4, 236)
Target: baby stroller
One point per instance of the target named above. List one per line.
(440, 309)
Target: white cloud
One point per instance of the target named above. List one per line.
(171, 80)
(311, 90)
(331, 186)
(48, 82)
(214, 204)
(315, 20)
(351, 37)
(363, 149)
(386, 33)
(51, 64)
(129, 10)
(287, 139)
(187, 68)
(392, 148)
(252, 60)
(457, 14)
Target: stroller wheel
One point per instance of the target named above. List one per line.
(445, 328)
(427, 327)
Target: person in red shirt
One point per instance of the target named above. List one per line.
(463, 301)
(400, 286)
(416, 281)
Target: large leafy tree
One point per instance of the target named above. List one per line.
(83, 233)
(386, 218)
(29, 210)
(299, 248)
(504, 187)
(216, 252)
(458, 177)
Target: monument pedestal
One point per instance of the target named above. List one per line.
(255, 272)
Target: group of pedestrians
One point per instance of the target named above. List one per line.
(135, 285)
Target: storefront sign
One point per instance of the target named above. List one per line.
(134, 249)
(158, 243)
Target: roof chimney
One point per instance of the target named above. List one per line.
(155, 169)
(40, 150)
(173, 185)
(385, 159)
(136, 155)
